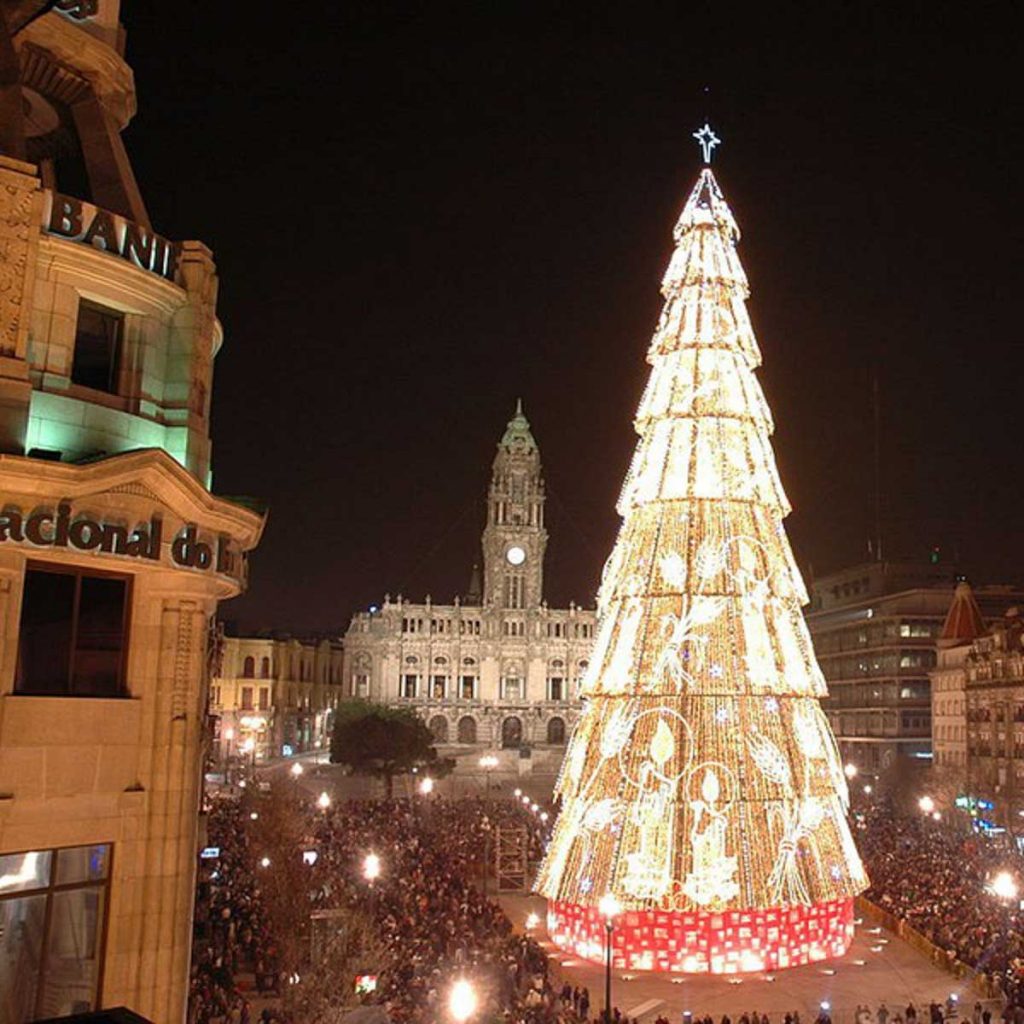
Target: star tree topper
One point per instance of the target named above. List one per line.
(707, 140)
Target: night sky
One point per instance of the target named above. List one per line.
(420, 214)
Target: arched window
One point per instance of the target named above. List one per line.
(249, 668)
(556, 731)
(439, 727)
(467, 729)
(511, 732)
(265, 668)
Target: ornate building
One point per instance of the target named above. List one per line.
(875, 628)
(978, 711)
(273, 696)
(498, 668)
(114, 553)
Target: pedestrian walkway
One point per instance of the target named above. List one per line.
(879, 967)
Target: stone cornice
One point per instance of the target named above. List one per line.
(99, 64)
(149, 473)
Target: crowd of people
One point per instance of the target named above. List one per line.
(231, 937)
(936, 877)
(433, 921)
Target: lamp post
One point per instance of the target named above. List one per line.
(296, 771)
(371, 872)
(323, 801)
(609, 908)
(488, 762)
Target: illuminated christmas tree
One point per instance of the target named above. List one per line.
(702, 787)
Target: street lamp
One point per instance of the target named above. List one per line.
(532, 920)
(427, 786)
(371, 867)
(927, 804)
(488, 762)
(249, 747)
(296, 770)
(371, 872)
(462, 1001)
(609, 908)
(323, 801)
(1003, 886)
(850, 771)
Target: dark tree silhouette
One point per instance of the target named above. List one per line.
(384, 742)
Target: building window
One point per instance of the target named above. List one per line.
(246, 701)
(409, 685)
(466, 730)
(439, 728)
(556, 731)
(265, 668)
(556, 688)
(249, 668)
(361, 684)
(511, 687)
(440, 687)
(73, 634)
(512, 733)
(52, 910)
(264, 698)
(98, 337)
(468, 691)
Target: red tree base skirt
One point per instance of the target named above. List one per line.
(706, 943)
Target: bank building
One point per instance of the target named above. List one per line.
(498, 668)
(114, 553)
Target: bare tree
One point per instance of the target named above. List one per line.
(291, 889)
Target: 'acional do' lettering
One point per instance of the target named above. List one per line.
(62, 528)
(82, 222)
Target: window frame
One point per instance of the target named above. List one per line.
(118, 362)
(49, 890)
(79, 573)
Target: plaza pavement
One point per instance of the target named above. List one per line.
(879, 967)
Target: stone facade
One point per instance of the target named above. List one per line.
(113, 552)
(274, 696)
(497, 669)
(985, 703)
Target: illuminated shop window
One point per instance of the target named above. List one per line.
(74, 634)
(52, 909)
(98, 341)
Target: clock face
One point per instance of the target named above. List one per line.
(515, 555)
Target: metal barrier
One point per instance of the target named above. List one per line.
(942, 958)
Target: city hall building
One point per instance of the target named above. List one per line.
(497, 668)
(113, 551)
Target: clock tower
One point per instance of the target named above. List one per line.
(514, 539)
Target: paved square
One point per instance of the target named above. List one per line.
(879, 967)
